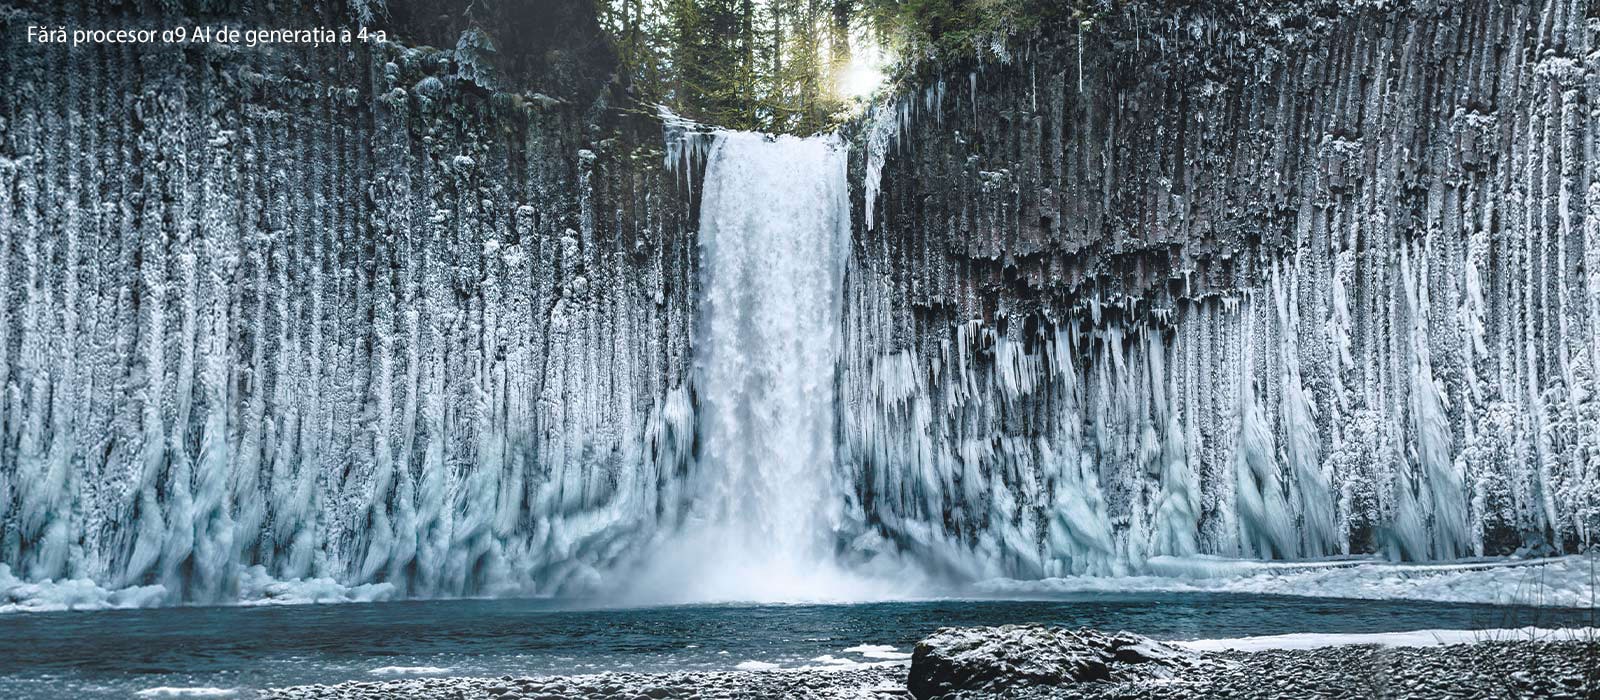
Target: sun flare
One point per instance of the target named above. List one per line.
(865, 72)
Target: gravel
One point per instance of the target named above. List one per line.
(887, 681)
(1490, 669)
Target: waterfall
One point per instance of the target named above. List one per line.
(774, 234)
(443, 343)
(774, 223)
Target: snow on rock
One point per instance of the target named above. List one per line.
(1563, 582)
(187, 692)
(993, 659)
(1494, 669)
(1416, 638)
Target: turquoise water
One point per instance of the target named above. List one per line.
(117, 653)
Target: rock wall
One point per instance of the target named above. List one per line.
(350, 312)
(1270, 279)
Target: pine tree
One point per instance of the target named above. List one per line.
(771, 65)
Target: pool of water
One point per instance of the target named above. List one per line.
(117, 653)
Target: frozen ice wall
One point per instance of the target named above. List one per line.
(1263, 280)
(336, 314)
(1260, 279)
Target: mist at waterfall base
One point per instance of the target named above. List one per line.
(774, 236)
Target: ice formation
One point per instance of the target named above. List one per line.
(1102, 446)
(1283, 320)
(285, 328)
(268, 337)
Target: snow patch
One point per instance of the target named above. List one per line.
(1559, 582)
(408, 671)
(831, 660)
(194, 692)
(1416, 638)
(877, 651)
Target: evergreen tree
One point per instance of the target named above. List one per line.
(771, 65)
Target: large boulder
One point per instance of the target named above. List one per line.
(989, 659)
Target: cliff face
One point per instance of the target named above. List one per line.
(337, 312)
(1285, 280)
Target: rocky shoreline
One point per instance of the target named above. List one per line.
(1486, 669)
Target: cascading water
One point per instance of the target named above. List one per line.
(774, 225)
(774, 233)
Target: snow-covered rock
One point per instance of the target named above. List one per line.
(1013, 656)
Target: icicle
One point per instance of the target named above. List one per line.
(972, 80)
(882, 130)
